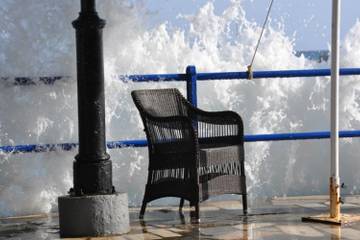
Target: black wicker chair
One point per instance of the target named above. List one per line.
(193, 154)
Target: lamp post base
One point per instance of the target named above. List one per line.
(94, 215)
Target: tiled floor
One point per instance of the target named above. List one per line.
(278, 219)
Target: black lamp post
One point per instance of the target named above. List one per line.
(93, 207)
(92, 166)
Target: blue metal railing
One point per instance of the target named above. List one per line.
(143, 143)
(191, 77)
(238, 75)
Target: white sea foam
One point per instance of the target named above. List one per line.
(41, 43)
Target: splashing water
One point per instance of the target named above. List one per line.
(41, 43)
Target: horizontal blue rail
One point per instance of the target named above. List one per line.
(143, 143)
(26, 81)
(239, 75)
(200, 76)
(299, 136)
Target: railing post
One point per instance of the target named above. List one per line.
(191, 85)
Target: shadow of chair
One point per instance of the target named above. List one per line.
(193, 154)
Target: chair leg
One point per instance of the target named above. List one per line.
(181, 204)
(142, 211)
(194, 215)
(244, 202)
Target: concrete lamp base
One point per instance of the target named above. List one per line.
(94, 215)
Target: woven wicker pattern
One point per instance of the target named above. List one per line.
(193, 154)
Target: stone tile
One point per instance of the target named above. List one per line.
(137, 227)
(312, 198)
(254, 226)
(202, 209)
(158, 226)
(312, 205)
(238, 232)
(333, 230)
(109, 238)
(215, 231)
(208, 208)
(344, 205)
(352, 199)
(163, 232)
(74, 238)
(283, 203)
(288, 201)
(299, 230)
(228, 205)
(350, 233)
(142, 236)
(235, 235)
(96, 238)
(178, 230)
(350, 205)
(164, 209)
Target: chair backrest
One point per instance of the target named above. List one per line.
(160, 102)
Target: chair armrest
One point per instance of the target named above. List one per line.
(218, 117)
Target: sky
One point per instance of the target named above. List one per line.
(310, 20)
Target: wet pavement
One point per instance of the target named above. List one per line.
(278, 218)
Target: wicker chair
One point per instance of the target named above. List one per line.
(193, 154)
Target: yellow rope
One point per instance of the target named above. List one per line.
(250, 69)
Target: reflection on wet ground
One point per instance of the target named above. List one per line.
(278, 219)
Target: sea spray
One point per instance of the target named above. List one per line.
(41, 43)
